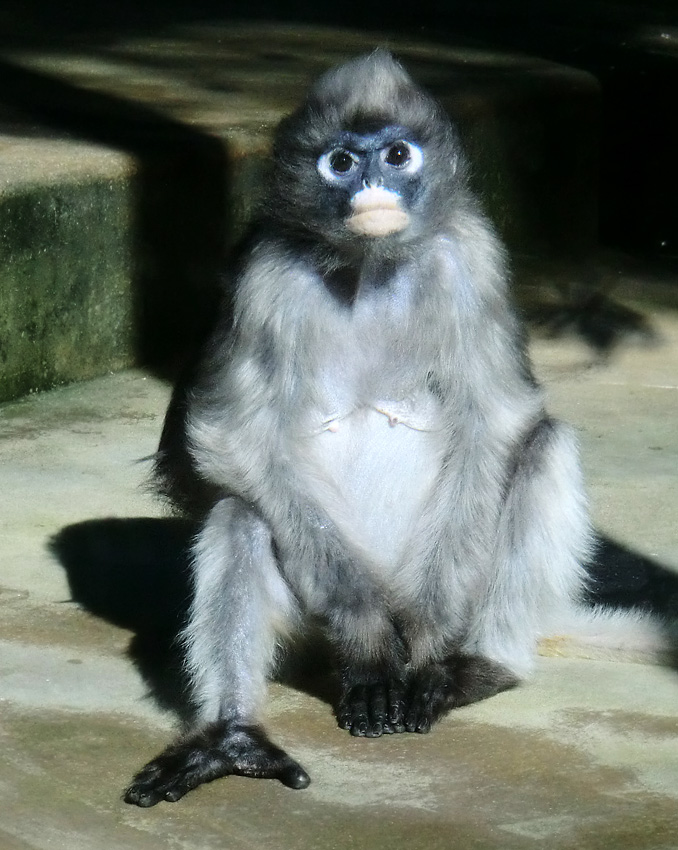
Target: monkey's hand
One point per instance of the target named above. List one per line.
(220, 749)
(371, 704)
(371, 707)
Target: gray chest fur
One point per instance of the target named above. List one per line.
(372, 465)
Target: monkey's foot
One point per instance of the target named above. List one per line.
(455, 681)
(429, 697)
(220, 749)
(370, 707)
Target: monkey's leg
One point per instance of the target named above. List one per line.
(543, 538)
(241, 604)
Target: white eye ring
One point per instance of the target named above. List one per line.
(413, 164)
(325, 166)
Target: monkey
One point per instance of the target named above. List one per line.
(373, 449)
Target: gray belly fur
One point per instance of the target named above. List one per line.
(372, 470)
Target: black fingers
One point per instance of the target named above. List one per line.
(372, 706)
(218, 750)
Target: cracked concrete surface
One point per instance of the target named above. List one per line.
(585, 755)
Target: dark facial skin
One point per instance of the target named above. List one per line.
(371, 180)
(387, 159)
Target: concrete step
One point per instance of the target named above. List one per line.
(128, 166)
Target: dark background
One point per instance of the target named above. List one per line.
(631, 47)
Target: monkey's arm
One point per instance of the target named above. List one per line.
(326, 571)
(331, 581)
(248, 438)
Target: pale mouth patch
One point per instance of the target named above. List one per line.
(376, 212)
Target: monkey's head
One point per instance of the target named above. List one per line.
(369, 161)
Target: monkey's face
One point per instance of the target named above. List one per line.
(372, 180)
(369, 163)
(374, 188)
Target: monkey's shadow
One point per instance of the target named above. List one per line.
(135, 574)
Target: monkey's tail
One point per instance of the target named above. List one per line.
(613, 634)
(630, 612)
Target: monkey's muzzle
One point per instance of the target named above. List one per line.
(376, 212)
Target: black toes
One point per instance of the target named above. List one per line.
(430, 696)
(138, 796)
(218, 750)
(169, 777)
(387, 706)
(175, 794)
(294, 776)
(146, 793)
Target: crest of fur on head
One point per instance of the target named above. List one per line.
(365, 88)
(362, 95)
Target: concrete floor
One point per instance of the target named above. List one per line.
(585, 755)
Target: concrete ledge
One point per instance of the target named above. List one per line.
(65, 263)
(150, 154)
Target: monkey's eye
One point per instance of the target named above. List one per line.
(398, 154)
(341, 161)
(403, 156)
(337, 163)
